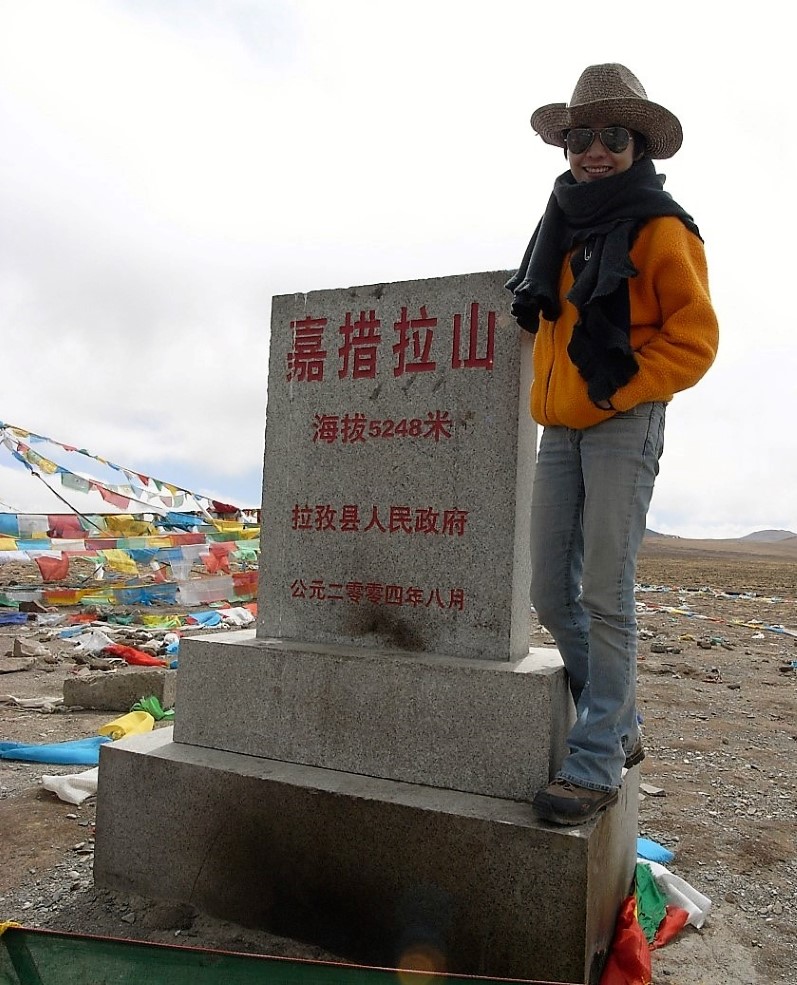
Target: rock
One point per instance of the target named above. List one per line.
(28, 648)
(13, 665)
(32, 606)
(120, 690)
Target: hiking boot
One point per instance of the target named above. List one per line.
(563, 802)
(635, 756)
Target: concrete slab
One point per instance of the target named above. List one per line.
(495, 728)
(117, 690)
(369, 869)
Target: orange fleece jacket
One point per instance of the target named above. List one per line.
(674, 331)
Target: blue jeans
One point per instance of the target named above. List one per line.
(592, 490)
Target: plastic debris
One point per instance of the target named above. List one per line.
(78, 752)
(92, 641)
(43, 704)
(679, 893)
(237, 616)
(73, 788)
(133, 723)
(208, 619)
(653, 851)
(132, 656)
(12, 618)
(152, 706)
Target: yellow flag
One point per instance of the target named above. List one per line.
(128, 526)
(133, 723)
(120, 561)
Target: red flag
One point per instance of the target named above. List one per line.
(132, 656)
(215, 562)
(65, 525)
(113, 498)
(223, 547)
(224, 508)
(672, 925)
(629, 958)
(53, 568)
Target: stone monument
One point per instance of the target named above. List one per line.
(357, 772)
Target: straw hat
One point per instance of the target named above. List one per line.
(614, 95)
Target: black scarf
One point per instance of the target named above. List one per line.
(605, 216)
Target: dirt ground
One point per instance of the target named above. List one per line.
(717, 687)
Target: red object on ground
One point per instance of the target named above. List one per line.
(669, 928)
(629, 958)
(132, 656)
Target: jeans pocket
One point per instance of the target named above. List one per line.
(654, 440)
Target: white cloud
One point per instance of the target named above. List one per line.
(168, 167)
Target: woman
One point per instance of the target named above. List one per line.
(614, 286)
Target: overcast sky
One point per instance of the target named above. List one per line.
(167, 166)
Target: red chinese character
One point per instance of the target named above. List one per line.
(317, 589)
(306, 359)
(375, 521)
(355, 591)
(471, 361)
(400, 519)
(413, 596)
(353, 428)
(359, 346)
(454, 522)
(326, 428)
(301, 517)
(298, 589)
(426, 521)
(349, 518)
(373, 592)
(410, 331)
(394, 595)
(438, 425)
(335, 594)
(434, 597)
(325, 517)
(457, 599)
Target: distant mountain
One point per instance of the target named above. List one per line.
(770, 536)
(758, 536)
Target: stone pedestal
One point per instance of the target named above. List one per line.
(371, 869)
(480, 726)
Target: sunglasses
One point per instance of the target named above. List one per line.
(614, 139)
